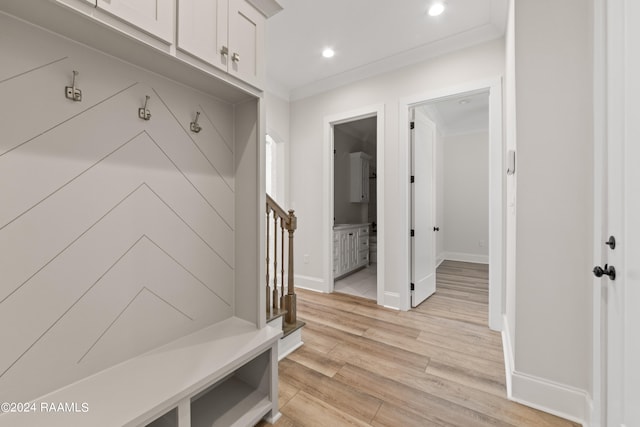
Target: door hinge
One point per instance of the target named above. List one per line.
(412, 125)
(413, 233)
(413, 287)
(413, 179)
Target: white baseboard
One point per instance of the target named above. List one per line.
(558, 399)
(310, 283)
(289, 344)
(392, 300)
(273, 419)
(465, 257)
(507, 349)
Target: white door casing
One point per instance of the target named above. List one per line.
(423, 242)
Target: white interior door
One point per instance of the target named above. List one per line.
(423, 242)
(623, 144)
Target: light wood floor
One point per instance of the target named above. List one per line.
(436, 365)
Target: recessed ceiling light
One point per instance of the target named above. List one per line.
(436, 9)
(464, 101)
(328, 53)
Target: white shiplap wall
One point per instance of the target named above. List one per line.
(116, 234)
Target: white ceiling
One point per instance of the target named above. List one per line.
(460, 114)
(369, 37)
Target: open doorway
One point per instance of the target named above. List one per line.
(355, 207)
(496, 196)
(371, 176)
(450, 189)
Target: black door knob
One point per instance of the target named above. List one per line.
(607, 270)
(436, 228)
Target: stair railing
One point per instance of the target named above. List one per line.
(279, 220)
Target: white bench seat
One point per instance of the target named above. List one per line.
(139, 390)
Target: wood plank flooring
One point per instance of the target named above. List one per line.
(436, 365)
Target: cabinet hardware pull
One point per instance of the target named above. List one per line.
(235, 57)
(224, 51)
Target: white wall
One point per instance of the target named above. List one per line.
(481, 62)
(554, 80)
(278, 127)
(466, 197)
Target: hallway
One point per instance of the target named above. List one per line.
(436, 365)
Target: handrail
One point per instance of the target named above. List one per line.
(274, 206)
(287, 221)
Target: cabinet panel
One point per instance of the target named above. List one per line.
(202, 30)
(363, 258)
(344, 252)
(152, 16)
(359, 177)
(353, 249)
(246, 38)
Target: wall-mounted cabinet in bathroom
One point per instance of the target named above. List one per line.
(359, 177)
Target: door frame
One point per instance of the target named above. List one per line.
(376, 110)
(497, 196)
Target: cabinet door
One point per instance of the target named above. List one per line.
(359, 177)
(336, 254)
(246, 43)
(365, 180)
(344, 252)
(152, 16)
(202, 30)
(363, 258)
(353, 249)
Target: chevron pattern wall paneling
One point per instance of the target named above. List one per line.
(116, 233)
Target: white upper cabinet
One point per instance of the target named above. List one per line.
(203, 30)
(228, 34)
(152, 16)
(246, 38)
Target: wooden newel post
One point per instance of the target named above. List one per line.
(290, 298)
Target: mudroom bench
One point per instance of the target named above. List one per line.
(221, 375)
